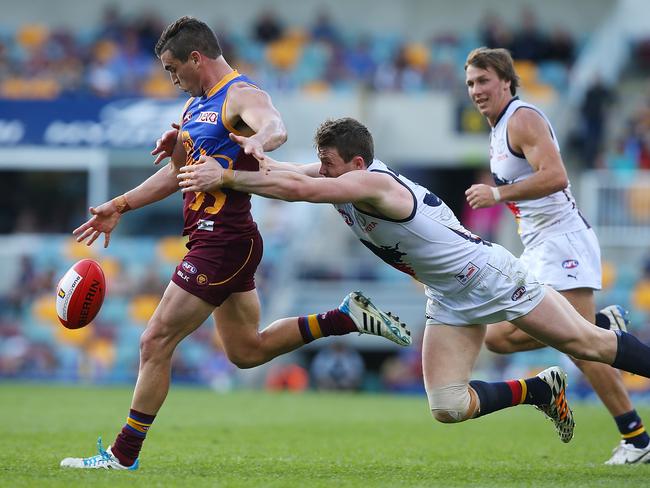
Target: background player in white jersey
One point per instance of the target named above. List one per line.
(469, 282)
(561, 248)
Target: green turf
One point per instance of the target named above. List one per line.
(246, 439)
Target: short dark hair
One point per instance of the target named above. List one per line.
(188, 34)
(500, 60)
(350, 138)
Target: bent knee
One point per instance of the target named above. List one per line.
(244, 358)
(453, 403)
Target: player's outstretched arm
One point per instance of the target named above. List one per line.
(106, 216)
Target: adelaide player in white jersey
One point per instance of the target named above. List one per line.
(470, 282)
(561, 248)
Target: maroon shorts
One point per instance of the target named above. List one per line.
(214, 270)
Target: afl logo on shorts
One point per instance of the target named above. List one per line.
(570, 264)
(201, 279)
(519, 292)
(189, 267)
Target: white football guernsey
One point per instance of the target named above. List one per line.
(467, 280)
(542, 217)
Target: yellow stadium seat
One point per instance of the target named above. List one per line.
(172, 249)
(639, 203)
(609, 274)
(417, 55)
(32, 35)
(74, 337)
(142, 307)
(44, 309)
(74, 250)
(641, 296)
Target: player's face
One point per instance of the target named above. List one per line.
(332, 164)
(488, 92)
(183, 74)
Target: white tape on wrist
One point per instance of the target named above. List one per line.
(496, 194)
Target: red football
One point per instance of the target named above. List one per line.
(80, 294)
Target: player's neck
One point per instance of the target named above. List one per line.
(216, 70)
(494, 118)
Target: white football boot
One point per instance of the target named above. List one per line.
(626, 453)
(618, 317)
(104, 460)
(370, 320)
(558, 410)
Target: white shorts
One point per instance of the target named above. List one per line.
(503, 290)
(566, 261)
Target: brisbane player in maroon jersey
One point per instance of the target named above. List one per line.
(216, 276)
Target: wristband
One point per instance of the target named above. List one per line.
(496, 194)
(121, 204)
(227, 177)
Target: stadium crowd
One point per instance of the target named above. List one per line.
(116, 57)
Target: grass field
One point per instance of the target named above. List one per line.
(282, 440)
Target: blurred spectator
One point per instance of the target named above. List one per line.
(494, 33)
(402, 373)
(593, 112)
(338, 367)
(267, 27)
(529, 43)
(359, 62)
(324, 29)
(561, 47)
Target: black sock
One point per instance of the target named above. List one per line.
(497, 396)
(631, 355)
(632, 430)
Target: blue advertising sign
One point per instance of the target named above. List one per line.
(118, 123)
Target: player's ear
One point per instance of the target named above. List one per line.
(195, 57)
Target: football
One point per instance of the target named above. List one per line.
(80, 293)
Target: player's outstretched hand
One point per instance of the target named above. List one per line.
(205, 176)
(165, 145)
(103, 221)
(480, 196)
(250, 145)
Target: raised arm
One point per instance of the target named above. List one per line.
(529, 134)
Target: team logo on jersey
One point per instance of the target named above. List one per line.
(201, 279)
(188, 116)
(519, 292)
(189, 267)
(467, 273)
(208, 117)
(570, 264)
(346, 217)
(391, 255)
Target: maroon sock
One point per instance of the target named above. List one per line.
(326, 324)
(128, 443)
